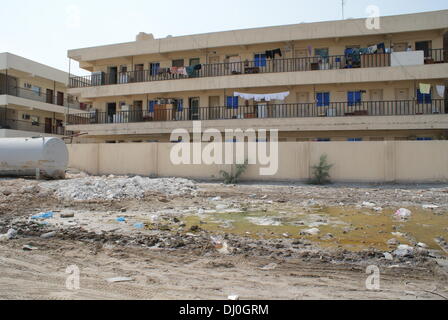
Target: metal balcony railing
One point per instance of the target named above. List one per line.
(295, 110)
(29, 126)
(247, 67)
(69, 101)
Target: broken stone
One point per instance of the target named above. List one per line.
(48, 235)
(393, 242)
(67, 215)
(388, 256)
(312, 232)
(119, 279)
(404, 250)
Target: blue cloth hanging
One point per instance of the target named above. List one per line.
(180, 105)
(423, 98)
(151, 106)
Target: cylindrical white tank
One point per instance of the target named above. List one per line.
(47, 157)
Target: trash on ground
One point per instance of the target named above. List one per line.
(28, 247)
(43, 215)
(233, 297)
(48, 235)
(121, 219)
(119, 279)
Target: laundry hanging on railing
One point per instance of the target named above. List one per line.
(258, 97)
(270, 54)
(425, 88)
(440, 90)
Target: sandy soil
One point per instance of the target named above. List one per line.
(170, 261)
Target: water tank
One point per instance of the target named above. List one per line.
(46, 157)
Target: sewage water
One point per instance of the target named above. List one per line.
(350, 228)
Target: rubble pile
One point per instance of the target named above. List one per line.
(112, 187)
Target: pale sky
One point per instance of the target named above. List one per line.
(44, 30)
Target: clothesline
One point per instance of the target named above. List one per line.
(258, 97)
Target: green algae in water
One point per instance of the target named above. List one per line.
(352, 228)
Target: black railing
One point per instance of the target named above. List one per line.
(436, 56)
(68, 101)
(247, 67)
(232, 68)
(296, 110)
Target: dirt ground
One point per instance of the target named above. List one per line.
(176, 255)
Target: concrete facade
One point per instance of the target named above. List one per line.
(303, 70)
(33, 97)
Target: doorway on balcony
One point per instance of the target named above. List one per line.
(111, 112)
(48, 125)
(50, 96)
(112, 73)
(139, 72)
(424, 46)
(214, 109)
(60, 98)
(194, 108)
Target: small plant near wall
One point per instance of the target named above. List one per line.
(233, 178)
(321, 172)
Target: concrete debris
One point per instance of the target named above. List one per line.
(403, 213)
(393, 242)
(404, 250)
(312, 232)
(110, 188)
(269, 267)
(430, 207)
(67, 215)
(11, 234)
(48, 235)
(261, 221)
(370, 205)
(388, 256)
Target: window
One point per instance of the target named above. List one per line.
(260, 60)
(178, 63)
(323, 99)
(423, 98)
(323, 140)
(354, 98)
(354, 139)
(232, 102)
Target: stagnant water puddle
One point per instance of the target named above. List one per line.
(347, 227)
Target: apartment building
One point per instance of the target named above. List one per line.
(325, 81)
(33, 98)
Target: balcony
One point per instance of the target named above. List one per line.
(68, 102)
(247, 67)
(6, 122)
(265, 111)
